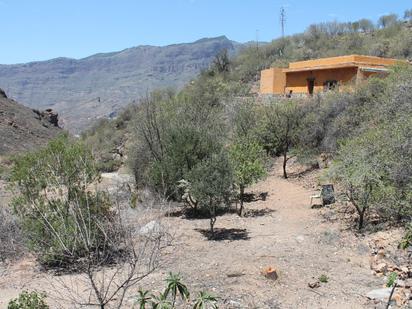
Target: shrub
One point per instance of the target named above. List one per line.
(211, 184)
(71, 225)
(360, 173)
(391, 279)
(11, 239)
(55, 204)
(247, 160)
(323, 278)
(280, 129)
(26, 300)
(407, 239)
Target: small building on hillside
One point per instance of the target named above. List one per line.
(311, 76)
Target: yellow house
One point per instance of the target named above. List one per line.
(308, 77)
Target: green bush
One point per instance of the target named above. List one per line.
(211, 185)
(26, 300)
(59, 214)
(407, 239)
(323, 278)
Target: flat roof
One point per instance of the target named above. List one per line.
(324, 67)
(341, 61)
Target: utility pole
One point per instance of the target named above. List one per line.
(282, 20)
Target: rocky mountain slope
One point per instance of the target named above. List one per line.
(98, 86)
(22, 128)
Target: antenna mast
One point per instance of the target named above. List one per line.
(282, 20)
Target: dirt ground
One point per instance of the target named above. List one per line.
(279, 231)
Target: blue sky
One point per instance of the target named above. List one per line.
(43, 29)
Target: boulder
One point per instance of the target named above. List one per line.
(153, 229)
(379, 294)
(51, 116)
(3, 94)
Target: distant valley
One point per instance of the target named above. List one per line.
(84, 90)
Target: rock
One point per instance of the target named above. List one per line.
(153, 229)
(314, 285)
(379, 294)
(3, 94)
(51, 116)
(400, 297)
(300, 239)
(380, 268)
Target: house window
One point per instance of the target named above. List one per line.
(330, 85)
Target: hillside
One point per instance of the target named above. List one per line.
(98, 86)
(22, 128)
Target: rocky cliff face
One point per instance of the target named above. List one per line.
(22, 128)
(98, 86)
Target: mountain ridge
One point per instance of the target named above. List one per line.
(83, 90)
(23, 128)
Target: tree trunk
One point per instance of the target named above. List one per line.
(285, 160)
(361, 218)
(212, 219)
(241, 196)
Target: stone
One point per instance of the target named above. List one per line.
(400, 297)
(379, 294)
(314, 285)
(270, 273)
(380, 268)
(153, 229)
(300, 238)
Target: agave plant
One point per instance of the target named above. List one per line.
(161, 302)
(143, 298)
(174, 287)
(205, 301)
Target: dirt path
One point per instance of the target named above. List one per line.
(281, 231)
(284, 233)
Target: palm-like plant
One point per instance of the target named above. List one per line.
(175, 286)
(205, 301)
(143, 299)
(161, 302)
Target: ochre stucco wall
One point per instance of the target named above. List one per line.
(272, 81)
(343, 69)
(297, 81)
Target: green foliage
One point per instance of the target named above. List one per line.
(161, 302)
(175, 286)
(211, 181)
(388, 20)
(205, 301)
(407, 239)
(324, 278)
(143, 298)
(173, 134)
(55, 204)
(408, 15)
(26, 300)
(247, 161)
(168, 299)
(359, 171)
(280, 129)
(391, 279)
